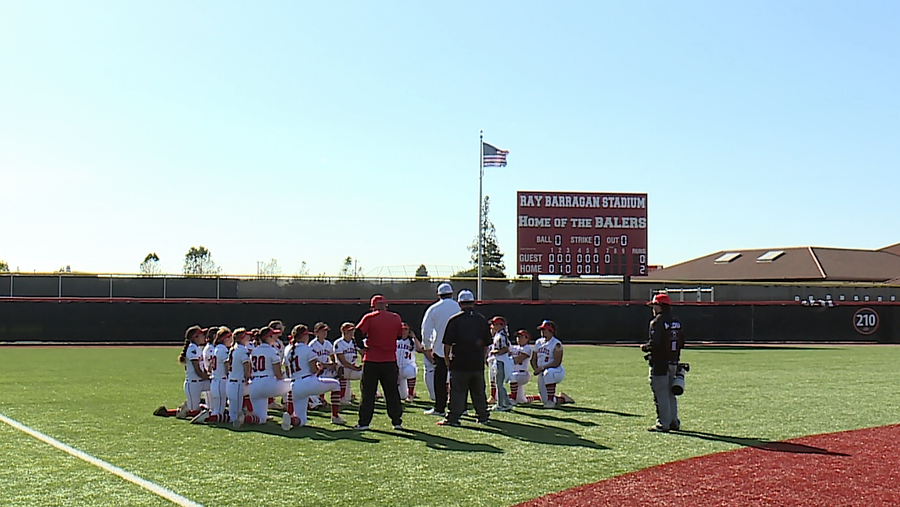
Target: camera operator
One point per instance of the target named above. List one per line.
(664, 352)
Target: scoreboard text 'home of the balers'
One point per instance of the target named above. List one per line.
(581, 233)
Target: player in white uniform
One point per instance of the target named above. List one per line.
(521, 354)
(196, 379)
(345, 353)
(547, 365)
(278, 327)
(205, 355)
(239, 372)
(266, 380)
(407, 346)
(325, 351)
(305, 365)
(217, 365)
(500, 365)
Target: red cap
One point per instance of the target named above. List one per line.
(548, 324)
(661, 299)
(404, 325)
(499, 319)
(321, 325)
(377, 298)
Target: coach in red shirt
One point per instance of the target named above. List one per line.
(381, 330)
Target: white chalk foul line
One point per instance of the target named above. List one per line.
(128, 476)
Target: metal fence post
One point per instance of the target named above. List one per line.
(110, 286)
(59, 288)
(164, 286)
(11, 276)
(217, 287)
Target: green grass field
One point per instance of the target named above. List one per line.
(99, 400)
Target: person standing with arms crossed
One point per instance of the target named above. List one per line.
(466, 343)
(434, 323)
(664, 347)
(377, 334)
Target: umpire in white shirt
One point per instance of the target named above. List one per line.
(433, 326)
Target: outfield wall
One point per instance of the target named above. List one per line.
(136, 320)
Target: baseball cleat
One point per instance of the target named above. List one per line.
(338, 420)
(239, 420)
(286, 422)
(446, 422)
(566, 398)
(432, 411)
(161, 411)
(201, 417)
(360, 427)
(398, 427)
(182, 411)
(658, 429)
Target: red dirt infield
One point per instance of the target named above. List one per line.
(850, 468)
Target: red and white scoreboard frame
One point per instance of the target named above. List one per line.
(581, 233)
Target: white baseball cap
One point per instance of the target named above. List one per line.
(466, 296)
(444, 288)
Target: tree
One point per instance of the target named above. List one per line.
(422, 271)
(350, 268)
(198, 261)
(4, 267)
(267, 270)
(304, 269)
(491, 257)
(150, 266)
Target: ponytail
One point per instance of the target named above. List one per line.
(183, 356)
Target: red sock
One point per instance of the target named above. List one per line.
(493, 390)
(251, 419)
(343, 382)
(193, 413)
(551, 393)
(212, 419)
(335, 403)
(271, 401)
(531, 399)
(171, 412)
(295, 421)
(247, 405)
(411, 386)
(289, 404)
(513, 390)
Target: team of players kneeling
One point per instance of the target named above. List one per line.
(241, 372)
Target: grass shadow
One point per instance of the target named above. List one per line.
(306, 432)
(569, 408)
(753, 347)
(756, 443)
(538, 434)
(440, 443)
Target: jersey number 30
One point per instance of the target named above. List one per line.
(258, 363)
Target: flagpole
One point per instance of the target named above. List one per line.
(480, 178)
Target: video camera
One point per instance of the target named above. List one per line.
(678, 383)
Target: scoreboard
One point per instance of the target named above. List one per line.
(581, 233)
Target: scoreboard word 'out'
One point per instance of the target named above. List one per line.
(578, 233)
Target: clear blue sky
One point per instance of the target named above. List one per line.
(310, 131)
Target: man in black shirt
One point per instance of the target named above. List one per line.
(664, 346)
(466, 342)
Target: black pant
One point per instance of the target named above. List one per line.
(387, 374)
(462, 383)
(440, 384)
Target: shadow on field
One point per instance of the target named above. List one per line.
(440, 443)
(760, 444)
(537, 434)
(537, 411)
(307, 432)
(753, 347)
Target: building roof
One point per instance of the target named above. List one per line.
(808, 263)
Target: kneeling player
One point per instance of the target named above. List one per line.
(266, 381)
(305, 367)
(547, 365)
(345, 353)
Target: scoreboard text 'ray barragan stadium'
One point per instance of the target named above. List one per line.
(579, 233)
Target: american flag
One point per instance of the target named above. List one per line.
(493, 156)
